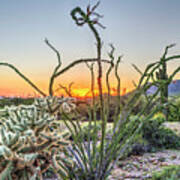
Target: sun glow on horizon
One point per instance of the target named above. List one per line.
(87, 93)
(75, 92)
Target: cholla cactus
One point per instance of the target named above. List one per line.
(54, 105)
(26, 142)
(68, 107)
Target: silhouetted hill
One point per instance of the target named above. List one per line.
(173, 88)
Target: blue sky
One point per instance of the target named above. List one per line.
(139, 29)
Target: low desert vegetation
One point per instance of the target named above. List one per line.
(171, 172)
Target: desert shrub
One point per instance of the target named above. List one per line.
(15, 101)
(159, 136)
(168, 173)
(174, 110)
(140, 104)
(154, 136)
(5, 102)
(140, 148)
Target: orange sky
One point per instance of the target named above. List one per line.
(76, 92)
(24, 90)
(13, 85)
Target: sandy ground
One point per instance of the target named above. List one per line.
(141, 167)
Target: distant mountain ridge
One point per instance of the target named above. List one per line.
(173, 88)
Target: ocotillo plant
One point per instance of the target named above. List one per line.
(94, 159)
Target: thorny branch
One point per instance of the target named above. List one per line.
(56, 68)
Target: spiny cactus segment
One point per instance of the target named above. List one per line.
(28, 137)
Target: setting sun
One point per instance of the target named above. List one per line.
(83, 92)
(80, 92)
(86, 92)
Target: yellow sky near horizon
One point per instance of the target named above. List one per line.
(13, 85)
